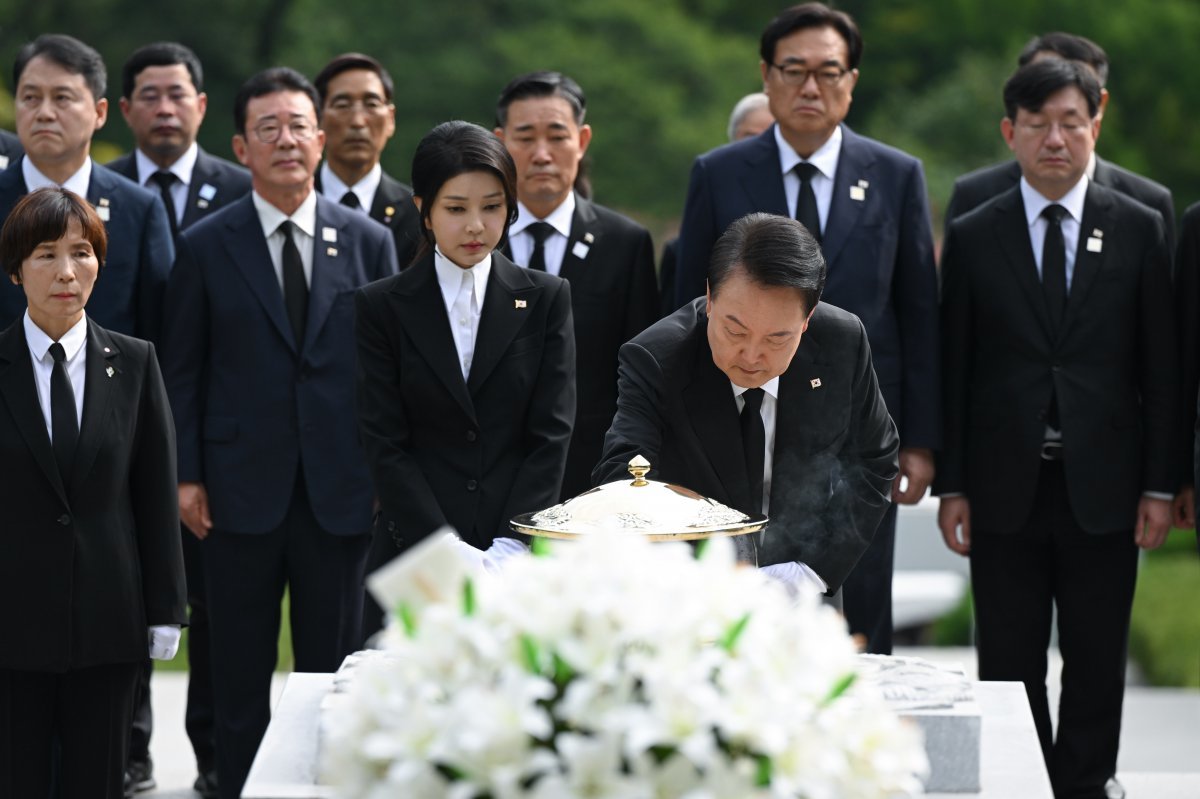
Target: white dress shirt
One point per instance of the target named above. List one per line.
(1035, 203)
(554, 249)
(182, 170)
(77, 183)
(305, 219)
(334, 189)
(43, 365)
(825, 159)
(463, 291)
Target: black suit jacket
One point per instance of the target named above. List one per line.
(609, 262)
(128, 297)
(835, 444)
(469, 453)
(975, 188)
(393, 207)
(878, 243)
(1187, 296)
(1112, 366)
(10, 149)
(84, 571)
(215, 183)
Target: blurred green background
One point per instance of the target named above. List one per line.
(661, 77)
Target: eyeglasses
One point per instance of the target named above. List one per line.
(269, 132)
(793, 75)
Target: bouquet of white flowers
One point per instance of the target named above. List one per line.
(629, 670)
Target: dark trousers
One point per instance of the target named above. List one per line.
(868, 589)
(198, 718)
(1016, 579)
(246, 576)
(86, 710)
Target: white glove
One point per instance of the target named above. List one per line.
(501, 550)
(796, 577)
(164, 641)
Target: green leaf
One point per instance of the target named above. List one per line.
(701, 548)
(762, 775)
(468, 597)
(840, 687)
(563, 673)
(530, 654)
(540, 546)
(730, 639)
(407, 619)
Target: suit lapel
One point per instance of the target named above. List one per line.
(201, 191)
(423, 315)
(761, 179)
(1096, 217)
(247, 250)
(100, 192)
(384, 208)
(714, 417)
(509, 300)
(330, 276)
(19, 393)
(100, 388)
(584, 234)
(1012, 237)
(854, 168)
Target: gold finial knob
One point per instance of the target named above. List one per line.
(638, 468)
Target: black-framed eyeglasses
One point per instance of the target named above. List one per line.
(269, 132)
(796, 75)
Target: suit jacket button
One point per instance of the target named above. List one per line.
(64, 520)
(472, 485)
(391, 527)
(471, 435)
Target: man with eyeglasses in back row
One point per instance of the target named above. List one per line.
(258, 359)
(866, 203)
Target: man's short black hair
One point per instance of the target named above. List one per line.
(160, 54)
(771, 251)
(1070, 47)
(346, 62)
(812, 15)
(541, 84)
(1033, 84)
(69, 53)
(270, 81)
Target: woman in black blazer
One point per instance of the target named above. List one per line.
(466, 377)
(91, 571)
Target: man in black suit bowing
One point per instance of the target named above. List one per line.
(760, 397)
(359, 117)
(865, 202)
(163, 103)
(259, 365)
(1060, 395)
(607, 258)
(60, 85)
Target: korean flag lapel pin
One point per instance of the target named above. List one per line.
(205, 196)
(815, 382)
(1095, 242)
(520, 304)
(858, 192)
(103, 209)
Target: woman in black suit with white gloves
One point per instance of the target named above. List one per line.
(91, 572)
(466, 376)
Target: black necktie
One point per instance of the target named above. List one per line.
(754, 442)
(1054, 265)
(806, 201)
(165, 181)
(64, 423)
(350, 200)
(295, 288)
(540, 232)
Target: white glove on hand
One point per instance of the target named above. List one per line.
(164, 641)
(796, 577)
(501, 550)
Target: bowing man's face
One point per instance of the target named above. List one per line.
(58, 277)
(468, 217)
(1053, 144)
(753, 329)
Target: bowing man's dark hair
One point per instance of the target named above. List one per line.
(270, 81)
(772, 251)
(452, 149)
(346, 62)
(812, 15)
(1070, 47)
(44, 215)
(541, 84)
(69, 53)
(160, 54)
(1033, 84)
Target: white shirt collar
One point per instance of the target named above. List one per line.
(559, 218)
(39, 343)
(78, 183)
(825, 159)
(449, 275)
(182, 168)
(1035, 203)
(270, 217)
(771, 387)
(334, 188)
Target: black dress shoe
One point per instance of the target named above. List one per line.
(139, 776)
(206, 785)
